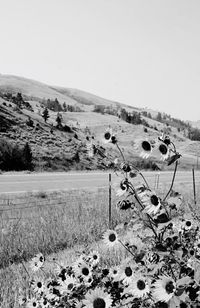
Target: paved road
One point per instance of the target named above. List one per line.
(19, 183)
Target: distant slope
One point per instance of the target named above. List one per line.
(38, 90)
(32, 88)
(84, 97)
(60, 147)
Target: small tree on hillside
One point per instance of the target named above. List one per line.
(59, 120)
(45, 114)
(64, 107)
(18, 100)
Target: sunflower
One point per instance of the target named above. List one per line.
(97, 298)
(37, 262)
(32, 303)
(139, 287)
(163, 149)
(145, 149)
(151, 202)
(83, 271)
(94, 258)
(37, 285)
(187, 225)
(115, 274)
(68, 285)
(109, 137)
(44, 303)
(164, 289)
(110, 238)
(123, 188)
(127, 272)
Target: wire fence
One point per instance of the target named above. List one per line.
(25, 205)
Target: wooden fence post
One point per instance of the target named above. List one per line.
(194, 187)
(109, 203)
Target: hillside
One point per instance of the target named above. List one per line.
(64, 150)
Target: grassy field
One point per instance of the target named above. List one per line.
(59, 225)
(52, 222)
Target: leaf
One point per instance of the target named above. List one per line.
(173, 158)
(184, 281)
(162, 218)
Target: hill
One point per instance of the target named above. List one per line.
(84, 116)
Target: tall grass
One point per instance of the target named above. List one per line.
(52, 222)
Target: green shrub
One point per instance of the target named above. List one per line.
(13, 157)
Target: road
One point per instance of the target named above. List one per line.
(20, 183)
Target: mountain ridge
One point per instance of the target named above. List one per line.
(85, 123)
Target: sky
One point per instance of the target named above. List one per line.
(144, 53)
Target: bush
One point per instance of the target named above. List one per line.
(13, 157)
(30, 122)
(67, 129)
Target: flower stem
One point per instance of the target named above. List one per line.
(172, 183)
(126, 248)
(122, 155)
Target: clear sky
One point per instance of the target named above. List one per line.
(144, 53)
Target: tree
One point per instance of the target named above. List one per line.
(59, 120)
(45, 114)
(18, 100)
(30, 122)
(28, 157)
(159, 117)
(64, 107)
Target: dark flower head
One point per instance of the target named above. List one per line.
(126, 167)
(167, 140)
(124, 204)
(146, 146)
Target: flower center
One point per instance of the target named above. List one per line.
(188, 223)
(112, 237)
(85, 271)
(146, 146)
(70, 286)
(163, 149)
(141, 284)
(94, 257)
(99, 303)
(39, 284)
(128, 271)
(34, 304)
(154, 200)
(107, 136)
(105, 271)
(41, 259)
(169, 287)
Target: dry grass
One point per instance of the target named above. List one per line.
(52, 222)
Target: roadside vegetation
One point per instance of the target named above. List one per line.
(52, 222)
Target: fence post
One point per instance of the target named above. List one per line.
(194, 188)
(158, 179)
(109, 204)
